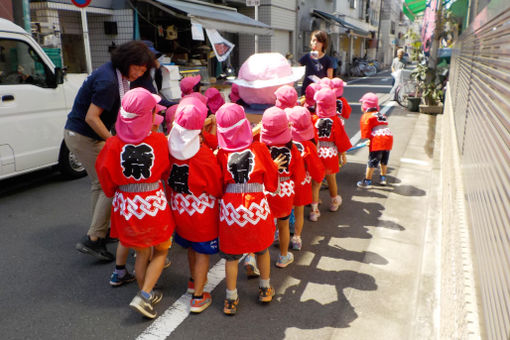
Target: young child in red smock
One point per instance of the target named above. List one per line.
(194, 185)
(374, 126)
(246, 222)
(286, 97)
(332, 142)
(342, 105)
(303, 138)
(275, 133)
(130, 168)
(310, 92)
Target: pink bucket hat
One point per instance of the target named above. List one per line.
(184, 139)
(234, 93)
(188, 83)
(301, 123)
(326, 82)
(214, 99)
(310, 93)
(169, 116)
(275, 127)
(369, 101)
(326, 103)
(158, 119)
(196, 95)
(286, 96)
(233, 129)
(134, 121)
(338, 86)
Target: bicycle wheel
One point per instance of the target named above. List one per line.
(401, 96)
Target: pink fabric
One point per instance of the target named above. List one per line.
(158, 119)
(134, 121)
(169, 116)
(286, 96)
(214, 99)
(263, 66)
(310, 93)
(197, 95)
(326, 103)
(301, 126)
(191, 114)
(234, 93)
(275, 127)
(326, 82)
(188, 83)
(338, 86)
(233, 129)
(369, 101)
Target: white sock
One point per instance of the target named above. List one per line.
(264, 283)
(232, 294)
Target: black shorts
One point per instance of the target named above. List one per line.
(374, 157)
(235, 257)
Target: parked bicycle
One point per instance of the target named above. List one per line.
(362, 68)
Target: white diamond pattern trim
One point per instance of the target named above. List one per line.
(139, 206)
(241, 215)
(284, 189)
(308, 179)
(191, 204)
(327, 152)
(381, 132)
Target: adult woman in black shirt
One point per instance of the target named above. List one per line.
(316, 61)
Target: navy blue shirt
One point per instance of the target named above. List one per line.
(146, 82)
(318, 67)
(102, 89)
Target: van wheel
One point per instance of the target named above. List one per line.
(68, 164)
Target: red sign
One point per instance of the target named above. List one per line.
(81, 3)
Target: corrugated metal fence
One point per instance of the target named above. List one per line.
(480, 94)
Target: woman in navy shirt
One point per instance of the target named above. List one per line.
(316, 61)
(88, 126)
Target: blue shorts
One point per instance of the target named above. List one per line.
(208, 247)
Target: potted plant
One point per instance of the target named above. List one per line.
(430, 87)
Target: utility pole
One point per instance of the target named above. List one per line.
(378, 32)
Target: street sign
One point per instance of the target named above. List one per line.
(81, 3)
(251, 3)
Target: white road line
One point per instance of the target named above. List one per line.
(164, 325)
(369, 85)
(414, 161)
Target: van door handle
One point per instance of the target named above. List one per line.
(7, 98)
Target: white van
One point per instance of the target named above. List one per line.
(34, 102)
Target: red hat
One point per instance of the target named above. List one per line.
(369, 101)
(310, 93)
(286, 96)
(169, 116)
(234, 93)
(326, 82)
(301, 123)
(275, 127)
(188, 83)
(233, 129)
(214, 99)
(326, 103)
(184, 139)
(134, 121)
(338, 85)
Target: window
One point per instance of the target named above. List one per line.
(392, 27)
(352, 3)
(20, 64)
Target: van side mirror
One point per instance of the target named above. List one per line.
(59, 75)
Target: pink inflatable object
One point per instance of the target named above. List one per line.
(269, 68)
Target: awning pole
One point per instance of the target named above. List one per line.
(86, 41)
(256, 36)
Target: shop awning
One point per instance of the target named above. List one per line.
(412, 8)
(221, 18)
(342, 23)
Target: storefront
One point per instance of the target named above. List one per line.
(183, 32)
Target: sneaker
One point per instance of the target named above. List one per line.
(109, 239)
(284, 261)
(167, 263)
(266, 294)
(230, 306)
(199, 305)
(336, 202)
(250, 265)
(117, 281)
(156, 296)
(383, 180)
(296, 243)
(96, 249)
(365, 183)
(314, 215)
(143, 306)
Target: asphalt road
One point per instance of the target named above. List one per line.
(50, 291)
